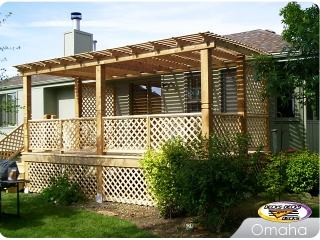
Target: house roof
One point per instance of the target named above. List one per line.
(179, 54)
(265, 40)
(35, 79)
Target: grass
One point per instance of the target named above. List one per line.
(40, 219)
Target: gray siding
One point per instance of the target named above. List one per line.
(65, 102)
(37, 103)
(173, 98)
(293, 127)
(313, 135)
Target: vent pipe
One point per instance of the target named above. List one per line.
(76, 17)
(94, 45)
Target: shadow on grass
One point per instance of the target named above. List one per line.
(39, 218)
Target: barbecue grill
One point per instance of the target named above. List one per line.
(8, 171)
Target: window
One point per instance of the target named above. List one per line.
(228, 80)
(286, 106)
(146, 98)
(9, 109)
(193, 92)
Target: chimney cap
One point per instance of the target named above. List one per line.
(76, 15)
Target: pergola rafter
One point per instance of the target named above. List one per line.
(176, 53)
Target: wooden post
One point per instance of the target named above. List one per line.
(206, 91)
(27, 111)
(100, 105)
(78, 97)
(241, 92)
(99, 180)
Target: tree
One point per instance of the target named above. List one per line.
(300, 67)
(8, 103)
(3, 48)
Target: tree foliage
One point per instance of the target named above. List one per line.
(6, 105)
(301, 66)
(4, 48)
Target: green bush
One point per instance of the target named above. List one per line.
(160, 168)
(302, 172)
(299, 172)
(273, 178)
(62, 192)
(205, 177)
(217, 181)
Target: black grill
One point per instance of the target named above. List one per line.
(5, 165)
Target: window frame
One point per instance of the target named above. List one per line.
(5, 115)
(192, 104)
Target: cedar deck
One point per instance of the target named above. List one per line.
(56, 146)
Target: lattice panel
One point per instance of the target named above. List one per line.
(12, 144)
(254, 89)
(125, 185)
(88, 100)
(125, 133)
(223, 124)
(44, 134)
(164, 128)
(85, 176)
(257, 128)
(88, 133)
(79, 134)
(110, 102)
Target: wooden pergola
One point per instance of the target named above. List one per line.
(202, 51)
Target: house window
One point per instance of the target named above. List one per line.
(285, 106)
(228, 81)
(193, 92)
(8, 106)
(146, 98)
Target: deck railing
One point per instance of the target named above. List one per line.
(125, 133)
(12, 144)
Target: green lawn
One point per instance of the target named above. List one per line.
(40, 219)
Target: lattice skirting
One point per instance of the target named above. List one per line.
(120, 184)
(125, 185)
(40, 174)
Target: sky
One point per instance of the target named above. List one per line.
(37, 27)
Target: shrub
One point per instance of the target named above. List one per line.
(302, 172)
(159, 169)
(273, 178)
(218, 179)
(205, 177)
(62, 192)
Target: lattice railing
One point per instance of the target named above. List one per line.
(12, 144)
(40, 174)
(63, 134)
(125, 133)
(130, 133)
(164, 127)
(125, 185)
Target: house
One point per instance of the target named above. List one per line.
(94, 113)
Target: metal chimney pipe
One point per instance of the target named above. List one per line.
(76, 17)
(94, 45)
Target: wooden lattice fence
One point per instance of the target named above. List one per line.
(125, 185)
(40, 174)
(257, 111)
(12, 144)
(120, 184)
